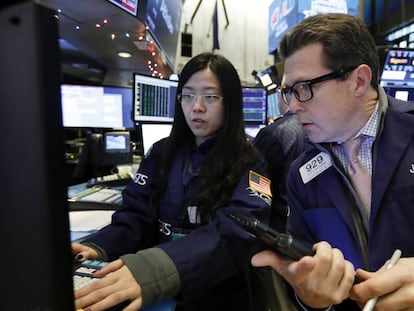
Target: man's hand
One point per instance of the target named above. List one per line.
(319, 281)
(393, 287)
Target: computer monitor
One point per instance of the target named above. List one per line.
(102, 152)
(154, 99)
(36, 266)
(254, 105)
(273, 110)
(90, 106)
(153, 132)
(268, 78)
(117, 142)
(397, 76)
(252, 130)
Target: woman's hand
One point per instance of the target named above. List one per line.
(116, 286)
(82, 252)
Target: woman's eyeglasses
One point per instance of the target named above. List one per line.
(191, 99)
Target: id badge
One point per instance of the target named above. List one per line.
(315, 166)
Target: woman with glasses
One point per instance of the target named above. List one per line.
(351, 193)
(173, 233)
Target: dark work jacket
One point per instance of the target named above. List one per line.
(280, 143)
(212, 260)
(325, 208)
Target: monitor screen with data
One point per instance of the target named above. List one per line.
(397, 77)
(254, 105)
(87, 106)
(154, 99)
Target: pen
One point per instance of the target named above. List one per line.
(371, 303)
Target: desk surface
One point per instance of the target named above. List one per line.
(85, 223)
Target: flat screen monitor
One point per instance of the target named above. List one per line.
(164, 23)
(34, 225)
(101, 153)
(117, 142)
(130, 6)
(397, 76)
(134, 8)
(154, 99)
(273, 106)
(153, 132)
(284, 15)
(87, 106)
(268, 78)
(252, 130)
(254, 105)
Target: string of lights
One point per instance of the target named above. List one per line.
(140, 37)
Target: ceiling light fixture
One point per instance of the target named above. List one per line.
(124, 54)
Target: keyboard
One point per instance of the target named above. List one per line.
(112, 180)
(83, 275)
(97, 197)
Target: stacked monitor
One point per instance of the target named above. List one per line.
(104, 113)
(273, 110)
(398, 73)
(154, 99)
(254, 109)
(152, 132)
(153, 108)
(254, 105)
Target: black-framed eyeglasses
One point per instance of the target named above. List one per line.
(302, 90)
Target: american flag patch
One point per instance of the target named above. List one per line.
(259, 183)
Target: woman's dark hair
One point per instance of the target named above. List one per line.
(231, 153)
(345, 39)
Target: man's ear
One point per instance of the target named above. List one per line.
(363, 75)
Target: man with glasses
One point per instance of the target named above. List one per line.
(351, 193)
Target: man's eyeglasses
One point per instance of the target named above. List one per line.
(303, 89)
(191, 99)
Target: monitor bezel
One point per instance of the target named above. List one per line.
(152, 81)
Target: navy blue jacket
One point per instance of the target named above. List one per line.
(213, 259)
(324, 209)
(280, 143)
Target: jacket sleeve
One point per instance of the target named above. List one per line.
(132, 225)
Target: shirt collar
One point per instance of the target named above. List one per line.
(370, 128)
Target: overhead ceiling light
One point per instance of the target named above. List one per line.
(124, 54)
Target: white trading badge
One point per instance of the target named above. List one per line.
(315, 166)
